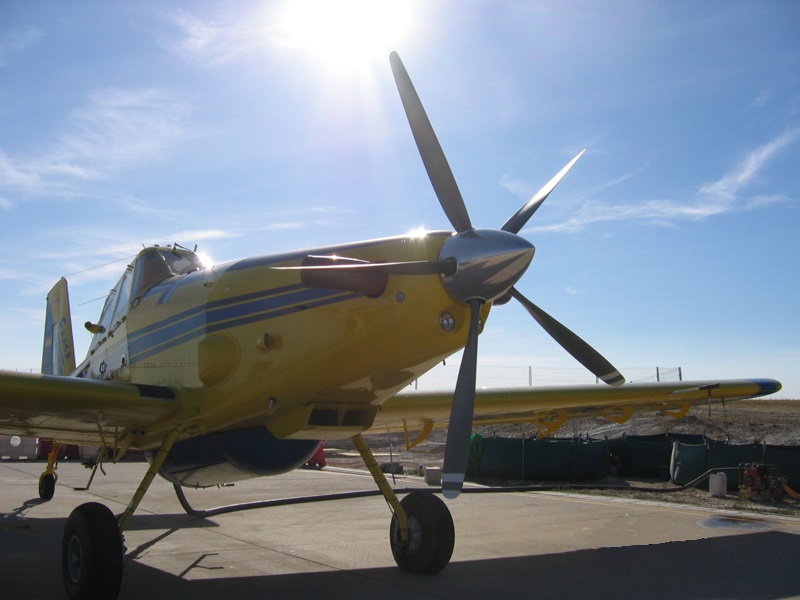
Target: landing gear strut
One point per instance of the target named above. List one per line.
(92, 549)
(47, 480)
(421, 533)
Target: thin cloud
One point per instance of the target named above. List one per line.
(16, 175)
(723, 195)
(16, 41)
(114, 129)
(762, 99)
(203, 235)
(213, 42)
(730, 184)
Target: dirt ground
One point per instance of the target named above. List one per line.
(771, 421)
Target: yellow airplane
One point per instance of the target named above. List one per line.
(239, 370)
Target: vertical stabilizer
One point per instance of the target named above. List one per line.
(58, 354)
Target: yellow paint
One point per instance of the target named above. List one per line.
(678, 413)
(217, 358)
(547, 427)
(620, 416)
(427, 427)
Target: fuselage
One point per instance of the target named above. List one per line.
(246, 345)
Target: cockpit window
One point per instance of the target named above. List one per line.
(182, 261)
(154, 265)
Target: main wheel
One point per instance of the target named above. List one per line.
(91, 553)
(431, 535)
(47, 486)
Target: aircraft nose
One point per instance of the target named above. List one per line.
(489, 262)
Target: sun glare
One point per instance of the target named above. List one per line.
(346, 33)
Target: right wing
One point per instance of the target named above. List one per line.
(79, 411)
(425, 411)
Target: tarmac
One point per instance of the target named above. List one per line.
(508, 545)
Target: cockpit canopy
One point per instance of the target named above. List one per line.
(157, 263)
(153, 265)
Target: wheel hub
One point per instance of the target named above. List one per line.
(74, 558)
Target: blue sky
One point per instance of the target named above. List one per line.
(673, 242)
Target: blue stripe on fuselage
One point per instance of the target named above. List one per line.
(227, 313)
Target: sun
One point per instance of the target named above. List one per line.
(345, 33)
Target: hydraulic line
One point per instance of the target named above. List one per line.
(220, 510)
(791, 492)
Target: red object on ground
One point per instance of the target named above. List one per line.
(318, 460)
(68, 451)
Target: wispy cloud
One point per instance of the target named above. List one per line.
(729, 185)
(762, 99)
(202, 235)
(215, 41)
(114, 129)
(722, 195)
(15, 41)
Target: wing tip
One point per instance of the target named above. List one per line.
(767, 386)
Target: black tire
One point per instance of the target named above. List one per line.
(431, 535)
(47, 486)
(91, 553)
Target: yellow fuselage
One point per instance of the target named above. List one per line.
(248, 344)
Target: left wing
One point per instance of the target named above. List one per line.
(552, 406)
(81, 411)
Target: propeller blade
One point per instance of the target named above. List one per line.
(517, 222)
(444, 184)
(583, 352)
(456, 452)
(417, 267)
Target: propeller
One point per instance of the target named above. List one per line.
(459, 428)
(580, 350)
(477, 266)
(444, 184)
(489, 263)
(517, 222)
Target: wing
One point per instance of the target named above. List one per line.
(554, 405)
(82, 411)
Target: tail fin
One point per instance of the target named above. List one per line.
(58, 354)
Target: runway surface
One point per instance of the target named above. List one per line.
(508, 545)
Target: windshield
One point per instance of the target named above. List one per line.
(154, 265)
(180, 261)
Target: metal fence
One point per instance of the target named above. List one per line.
(444, 376)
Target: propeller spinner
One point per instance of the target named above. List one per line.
(489, 263)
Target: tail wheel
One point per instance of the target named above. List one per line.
(431, 535)
(92, 553)
(47, 486)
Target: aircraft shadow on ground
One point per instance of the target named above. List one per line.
(758, 566)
